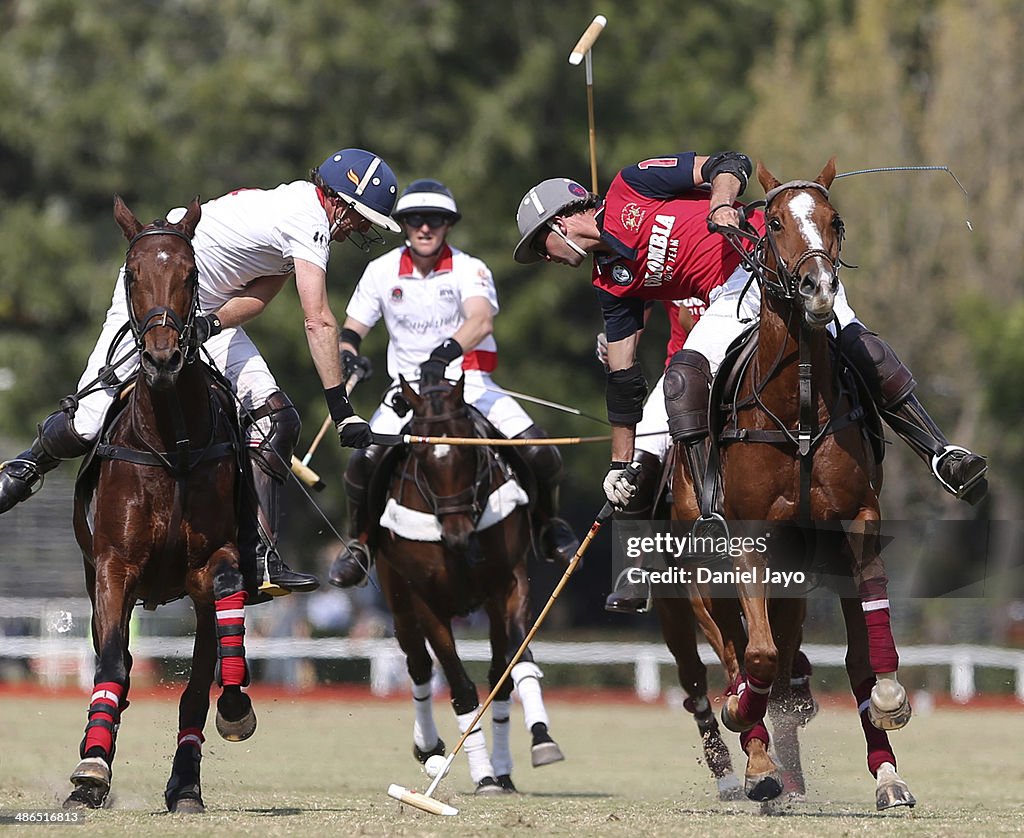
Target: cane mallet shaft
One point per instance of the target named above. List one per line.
(300, 468)
(424, 801)
(580, 52)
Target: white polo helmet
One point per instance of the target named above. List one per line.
(542, 203)
(426, 196)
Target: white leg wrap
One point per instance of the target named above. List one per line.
(424, 731)
(501, 751)
(526, 676)
(475, 748)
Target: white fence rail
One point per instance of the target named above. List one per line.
(57, 652)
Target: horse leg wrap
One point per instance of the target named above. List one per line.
(879, 749)
(475, 747)
(753, 693)
(526, 676)
(104, 717)
(192, 736)
(881, 646)
(424, 731)
(232, 670)
(501, 750)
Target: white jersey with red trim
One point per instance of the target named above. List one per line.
(250, 233)
(421, 312)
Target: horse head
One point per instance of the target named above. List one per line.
(161, 285)
(803, 236)
(447, 475)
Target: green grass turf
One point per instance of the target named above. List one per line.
(322, 768)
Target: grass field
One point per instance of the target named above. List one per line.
(322, 768)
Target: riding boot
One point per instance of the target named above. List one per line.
(352, 566)
(56, 440)
(557, 540)
(639, 508)
(960, 471)
(277, 579)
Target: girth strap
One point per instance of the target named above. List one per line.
(144, 458)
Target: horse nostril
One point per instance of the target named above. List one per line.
(808, 286)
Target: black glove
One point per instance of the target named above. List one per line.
(206, 326)
(354, 432)
(359, 365)
(433, 368)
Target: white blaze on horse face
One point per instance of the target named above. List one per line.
(162, 256)
(801, 207)
(442, 451)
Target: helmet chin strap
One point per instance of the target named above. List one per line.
(555, 229)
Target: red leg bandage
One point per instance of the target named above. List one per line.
(104, 717)
(879, 749)
(881, 646)
(232, 671)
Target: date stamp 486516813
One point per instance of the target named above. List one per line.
(26, 817)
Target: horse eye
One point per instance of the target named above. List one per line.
(837, 224)
(774, 225)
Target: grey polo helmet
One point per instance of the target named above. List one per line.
(427, 196)
(365, 181)
(542, 203)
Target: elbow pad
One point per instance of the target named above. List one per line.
(731, 162)
(625, 395)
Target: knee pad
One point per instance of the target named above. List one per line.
(687, 394)
(274, 452)
(59, 439)
(544, 460)
(889, 380)
(359, 470)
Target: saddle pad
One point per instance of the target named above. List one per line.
(422, 526)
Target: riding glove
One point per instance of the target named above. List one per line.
(206, 326)
(358, 365)
(619, 485)
(354, 432)
(434, 367)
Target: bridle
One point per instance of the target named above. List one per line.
(163, 316)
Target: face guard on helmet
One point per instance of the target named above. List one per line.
(427, 197)
(542, 203)
(364, 181)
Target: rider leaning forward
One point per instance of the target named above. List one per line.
(247, 245)
(650, 240)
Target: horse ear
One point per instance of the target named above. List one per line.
(126, 219)
(828, 174)
(459, 389)
(408, 393)
(191, 219)
(767, 180)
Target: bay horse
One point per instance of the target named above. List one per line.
(793, 450)
(455, 536)
(155, 515)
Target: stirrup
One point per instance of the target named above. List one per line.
(958, 492)
(268, 587)
(642, 609)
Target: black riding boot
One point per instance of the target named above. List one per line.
(352, 566)
(558, 542)
(56, 440)
(640, 508)
(276, 578)
(960, 471)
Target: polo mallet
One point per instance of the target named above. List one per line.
(300, 468)
(424, 800)
(580, 52)
(412, 439)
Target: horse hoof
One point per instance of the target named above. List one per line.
(762, 787)
(423, 756)
(892, 791)
(191, 805)
(793, 784)
(488, 785)
(545, 753)
(729, 718)
(729, 787)
(507, 786)
(233, 724)
(889, 707)
(92, 784)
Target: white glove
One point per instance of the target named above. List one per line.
(601, 350)
(618, 487)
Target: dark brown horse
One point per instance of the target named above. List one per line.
(458, 538)
(794, 452)
(155, 516)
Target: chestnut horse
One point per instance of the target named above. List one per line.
(455, 536)
(793, 451)
(155, 515)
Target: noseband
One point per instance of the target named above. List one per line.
(784, 281)
(162, 315)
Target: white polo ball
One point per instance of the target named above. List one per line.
(434, 765)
